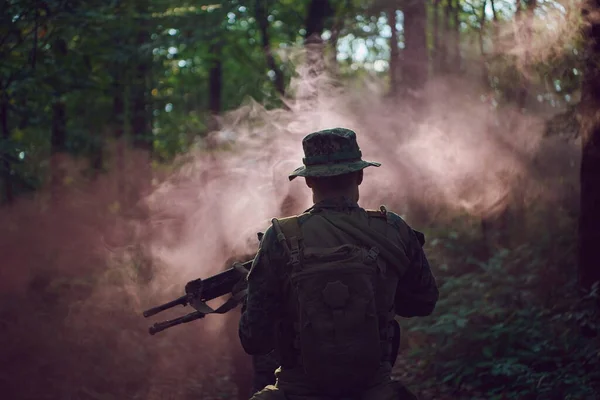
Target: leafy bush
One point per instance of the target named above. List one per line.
(513, 326)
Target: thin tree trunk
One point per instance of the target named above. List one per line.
(140, 121)
(525, 32)
(140, 115)
(119, 129)
(436, 36)
(333, 40)
(5, 167)
(482, 20)
(215, 77)
(394, 52)
(263, 24)
(59, 125)
(495, 25)
(445, 43)
(119, 75)
(97, 156)
(494, 14)
(35, 40)
(456, 36)
(58, 146)
(58, 136)
(415, 64)
(589, 220)
(318, 12)
(484, 69)
(333, 45)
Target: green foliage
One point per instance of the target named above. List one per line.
(100, 59)
(88, 55)
(513, 325)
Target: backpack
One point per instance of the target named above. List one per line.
(338, 328)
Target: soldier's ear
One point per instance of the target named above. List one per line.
(309, 182)
(359, 177)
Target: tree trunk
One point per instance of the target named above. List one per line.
(140, 178)
(97, 157)
(525, 32)
(119, 130)
(58, 133)
(445, 42)
(119, 73)
(495, 24)
(118, 103)
(263, 24)
(436, 36)
(415, 61)
(215, 77)
(35, 39)
(58, 141)
(5, 168)
(59, 126)
(333, 45)
(318, 12)
(494, 13)
(394, 52)
(338, 25)
(484, 69)
(589, 220)
(456, 37)
(141, 127)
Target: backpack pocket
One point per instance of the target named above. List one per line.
(338, 326)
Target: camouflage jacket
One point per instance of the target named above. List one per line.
(416, 294)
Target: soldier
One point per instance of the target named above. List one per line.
(325, 285)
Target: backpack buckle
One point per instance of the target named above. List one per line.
(372, 254)
(294, 252)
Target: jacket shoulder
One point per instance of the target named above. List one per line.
(391, 217)
(398, 223)
(299, 217)
(396, 220)
(401, 224)
(283, 229)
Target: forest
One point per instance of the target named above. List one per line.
(144, 143)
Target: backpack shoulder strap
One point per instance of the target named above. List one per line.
(289, 235)
(365, 234)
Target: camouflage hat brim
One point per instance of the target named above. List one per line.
(332, 169)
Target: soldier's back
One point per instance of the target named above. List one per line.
(319, 229)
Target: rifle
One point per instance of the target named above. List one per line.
(197, 293)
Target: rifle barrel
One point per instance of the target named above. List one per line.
(161, 326)
(179, 301)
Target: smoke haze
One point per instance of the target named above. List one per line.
(77, 273)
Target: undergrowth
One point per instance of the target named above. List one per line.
(514, 325)
(510, 323)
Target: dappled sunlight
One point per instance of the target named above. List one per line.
(553, 29)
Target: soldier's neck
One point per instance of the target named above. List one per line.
(351, 195)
